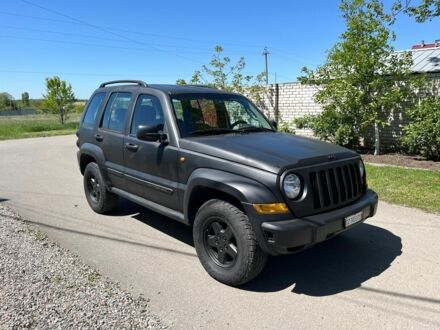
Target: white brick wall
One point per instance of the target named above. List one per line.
(297, 100)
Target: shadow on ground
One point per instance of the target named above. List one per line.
(338, 265)
(166, 225)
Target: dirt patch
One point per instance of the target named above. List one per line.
(403, 160)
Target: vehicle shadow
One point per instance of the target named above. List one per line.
(338, 265)
(166, 225)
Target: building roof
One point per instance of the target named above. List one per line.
(426, 60)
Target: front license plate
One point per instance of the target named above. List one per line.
(352, 219)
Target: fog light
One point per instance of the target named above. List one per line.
(274, 208)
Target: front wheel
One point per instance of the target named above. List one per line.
(225, 243)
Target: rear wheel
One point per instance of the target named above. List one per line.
(99, 198)
(225, 243)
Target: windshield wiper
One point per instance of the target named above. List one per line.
(256, 129)
(219, 130)
(213, 131)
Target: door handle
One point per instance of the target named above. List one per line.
(131, 147)
(98, 137)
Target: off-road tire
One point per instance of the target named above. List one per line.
(250, 259)
(99, 198)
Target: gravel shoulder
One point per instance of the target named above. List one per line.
(43, 286)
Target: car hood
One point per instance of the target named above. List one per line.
(269, 151)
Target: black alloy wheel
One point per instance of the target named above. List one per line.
(93, 188)
(220, 243)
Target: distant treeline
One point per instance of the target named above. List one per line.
(12, 105)
(9, 106)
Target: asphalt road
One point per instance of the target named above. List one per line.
(381, 274)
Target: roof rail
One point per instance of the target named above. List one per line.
(198, 85)
(137, 82)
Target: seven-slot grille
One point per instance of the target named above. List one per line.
(337, 185)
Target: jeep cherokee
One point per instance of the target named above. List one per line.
(212, 160)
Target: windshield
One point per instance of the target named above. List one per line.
(209, 114)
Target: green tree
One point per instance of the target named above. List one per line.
(25, 99)
(181, 82)
(362, 81)
(59, 97)
(422, 10)
(7, 102)
(221, 73)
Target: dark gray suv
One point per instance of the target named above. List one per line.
(212, 160)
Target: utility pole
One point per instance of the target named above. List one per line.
(265, 53)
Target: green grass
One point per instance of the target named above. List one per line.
(407, 187)
(18, 127)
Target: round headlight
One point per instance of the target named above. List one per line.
(361, 168)
(292, 186)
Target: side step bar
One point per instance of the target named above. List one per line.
(173, 214)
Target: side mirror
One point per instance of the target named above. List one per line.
(151, 133)
(274, 124)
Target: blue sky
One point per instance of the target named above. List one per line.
(87, 42)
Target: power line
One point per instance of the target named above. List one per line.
(273, 50)
(93, 44)
(136, 32)
(287, 56)
(59, 73)
(133, 32)
(104, 29)
(36, 17)
(197, 50)
(77, 21)
(109, 30)
(90, 45)
(58, 32)
(87, 74)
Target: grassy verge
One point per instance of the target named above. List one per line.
(408, 187)
(17, 127)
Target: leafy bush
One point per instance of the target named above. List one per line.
(78, 107)
(330, 126)
(422, 135)
(286, 127)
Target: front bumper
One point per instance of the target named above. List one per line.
(292, 235)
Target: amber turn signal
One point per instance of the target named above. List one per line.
(274, 208)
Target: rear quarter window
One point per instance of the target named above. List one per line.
(115, 111)
(92, 110)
